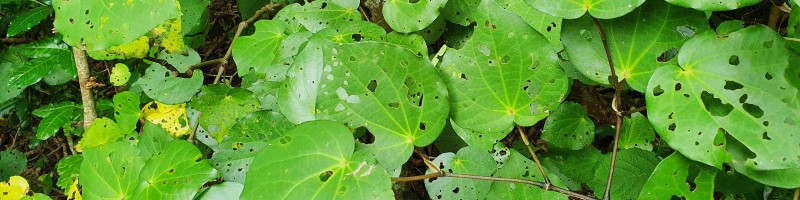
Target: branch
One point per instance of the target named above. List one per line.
(544, 186)
(535, 159)
(89, 113)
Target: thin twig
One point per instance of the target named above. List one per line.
(538, 184)
(427, 161)
(535, 159)
(89, 113)
(796, 194)
(639, 109)
(71, 144)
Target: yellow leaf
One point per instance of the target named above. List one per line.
(134, 49)
(170, 117)
(15, 189)
(74, 192)
(170, 36)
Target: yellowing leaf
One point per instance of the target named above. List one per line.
(120, 74)
(169, 36)
(170, 117)
(134, 49)
(74, 192)
(15, 189)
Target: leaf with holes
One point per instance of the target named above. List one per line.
(318, 15)
(468, 160)
(518, 167)
(405, 17)
(481, 140)
(126, 110)
(578, 166)
(138, 48)
(729, 85)
(785, 178)
(221, 106)
(27, 20)
(672, 178)
(548, 25)
(54, 117)
(12, 163)
(103, 24)
(330, 169)
(571, 9)
(569, 127)
(111, 171)
(714, 5)
(507, 72)
(638, 42)
(172, 118)
(260, 50)
(119, 74)
(102, 131)
(15, 188)
(636, 132)
(399, 98)
(175, 173)
(251, 134)
(180, 90)
(633, 168)
(152, 140)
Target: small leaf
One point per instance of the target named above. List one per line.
(519, 167)
(672, 178)
(55, 116)
(111, 171)
(12, 163)
(27, 20)
(468, 160)
(636, 133)
(330, 169)
(68, 169)
(714, 5)
(126, 110)
(102, 131)
(221, 106)
(120, 74)
(180, 90)
(258, 51)
(632, 169)
(569, 127)
(174, 173)
(571, 9)
(405, 17)
(170, 117)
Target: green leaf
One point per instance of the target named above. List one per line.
(318, 15)
(399, 98)
(126, 111)
(111, 171)
(482, 140)
(330, 169)
(180, 90)
(507, 72)
(569, 127)
(729, 85)
(411, 41)
(578, 166)
(120, 74)
(102, 131)
(785, 178)
(714, 5)
(104, 24)
(27, 20)
(8, 91)
(633, 168)
(461, 12)
(175, 173)
(195, 16)
(571, 9)
(153, 140)
(12, 163)
(224, 190)
(405, 17)
(68, 169)
(34, 70)
(636, 133)
(258, 51)
(449, 141)
(548, 25)
(54, 117)
(672, 178)
(636, 41)
(433, 32)
(468, 160)
(221, 106)
(519, 167)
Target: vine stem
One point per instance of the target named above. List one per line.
(525, 140)
(538, 184)
(614, 105)
(82, 66)
(242, 25)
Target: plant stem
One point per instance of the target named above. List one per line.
(535, 159)
(545, 186)
(89, 113)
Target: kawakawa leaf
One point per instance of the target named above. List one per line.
(399, 98)
(405, 17)
(119, 74)
(126, 110)
(175, 173)
(16, 188)
(12, 163)
(221, 106)
(170, 117)
(102, 131)
(633, 168)
(507, 72)
(638, 42)
(569, 127)
(180, 90)
(468, 160)
(548, 25)
(318, 15)
(111, 171)
(571, 9)
(714, 5)
(519, 167)
(672, 178)
(260, 50)
(330, 169)
(103, 24)
(729, 85)
(637, 132)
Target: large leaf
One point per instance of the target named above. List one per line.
(671, 178)
(27, 20)
(259, 50)
(519, 167)
(714, 5)
(571, 9)
(175, 173)
(103, 24)
(221, 106)
(180, 90)
(785, 178)
(399, 98)
(635, 41)
(468, 160)
(110, 171)
(633, 168)
(315, 160)
(729, 85)
(224, 190)
(12, 163)
(126, 110)
(506, 74)
(54, 117)
(405, 17)
(569, 127)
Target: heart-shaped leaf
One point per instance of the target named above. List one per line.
(259, 50)
(330, 169)
(111, 171)
(102, 131)
(175, 173)
(221, 106)
(318, 15)
(571, 9)
(468, 160)
(671, 178)
(569, 127)
(180, 90)
(714, 5)
(633, 168)
(548, 25)
(405, 17)
(126, 110)
(636, 132)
